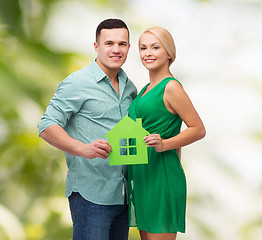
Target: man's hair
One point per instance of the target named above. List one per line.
(110, 23)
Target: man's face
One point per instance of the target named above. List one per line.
(112, 47)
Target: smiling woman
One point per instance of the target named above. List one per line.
(157, 191)
(161, 37)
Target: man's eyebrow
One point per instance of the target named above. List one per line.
(110, 41)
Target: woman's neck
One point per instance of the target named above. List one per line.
(156, 77)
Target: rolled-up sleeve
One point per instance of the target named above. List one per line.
(66, 101)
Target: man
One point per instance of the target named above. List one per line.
(86, 105)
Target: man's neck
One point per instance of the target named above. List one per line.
(113, 76)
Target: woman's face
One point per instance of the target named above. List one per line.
(152, 53)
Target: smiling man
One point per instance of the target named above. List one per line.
(86, 105)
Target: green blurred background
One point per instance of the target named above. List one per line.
(219, 49)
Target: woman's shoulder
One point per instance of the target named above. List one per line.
(173, 84)
(174, 92)
(173, 79)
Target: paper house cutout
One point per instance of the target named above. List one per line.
(127, 141)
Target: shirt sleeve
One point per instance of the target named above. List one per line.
(67, 100)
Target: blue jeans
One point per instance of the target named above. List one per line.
(98, 222)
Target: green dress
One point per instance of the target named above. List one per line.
(157, 190)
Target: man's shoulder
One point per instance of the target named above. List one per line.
(83, 72)
(82, 75)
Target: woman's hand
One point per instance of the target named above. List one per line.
(154, 140)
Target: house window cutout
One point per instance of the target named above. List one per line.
(123, 151)
(122, 142)
(132, 151)
(132, 141)
(127, 146)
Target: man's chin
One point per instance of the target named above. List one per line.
(116, 65)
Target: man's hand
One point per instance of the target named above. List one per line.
(98, 148)
(59, 138)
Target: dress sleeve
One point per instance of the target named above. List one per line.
(66, 101)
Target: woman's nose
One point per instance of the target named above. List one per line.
(148, 52)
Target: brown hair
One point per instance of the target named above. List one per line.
(110, 23)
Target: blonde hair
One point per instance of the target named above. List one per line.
(166, 39)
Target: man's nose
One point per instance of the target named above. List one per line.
(115, 48)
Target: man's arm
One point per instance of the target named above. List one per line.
(59, 138)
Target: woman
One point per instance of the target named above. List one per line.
(157, 190)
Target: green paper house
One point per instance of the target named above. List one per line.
(127, 141)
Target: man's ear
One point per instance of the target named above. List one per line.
(95, 45)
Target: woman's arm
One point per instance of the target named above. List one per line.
(178, 102)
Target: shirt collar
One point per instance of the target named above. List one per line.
(100, 75)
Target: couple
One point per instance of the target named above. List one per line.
(91, 101)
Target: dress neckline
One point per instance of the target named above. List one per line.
(145, 87)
